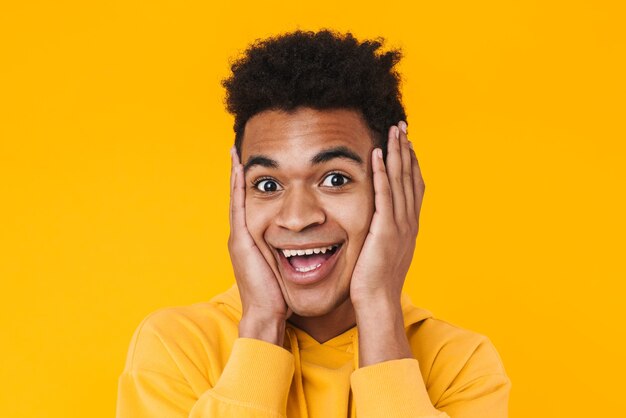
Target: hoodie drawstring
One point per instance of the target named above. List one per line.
(355, 347)
(295, 350)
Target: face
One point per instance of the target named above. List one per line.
(309, 201)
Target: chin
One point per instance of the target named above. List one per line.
(322, 305)
(310, 311)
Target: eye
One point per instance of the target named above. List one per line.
(267, 185)
(335, 180)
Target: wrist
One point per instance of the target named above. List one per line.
(379, 313)
(264, 327)
(382, 336)
(380, 301)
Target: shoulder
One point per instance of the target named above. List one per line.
(201, 320)
(196, 319)
(176, 339)
(451, 354)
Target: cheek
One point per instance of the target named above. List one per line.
(354, 214)
(258, 218)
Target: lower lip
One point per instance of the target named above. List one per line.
(308, 277)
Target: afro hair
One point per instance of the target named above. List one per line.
(320, 70)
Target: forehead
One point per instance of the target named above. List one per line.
(305, 131)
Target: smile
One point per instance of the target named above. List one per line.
(301, 261)
(308, 265)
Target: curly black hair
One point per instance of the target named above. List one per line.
(321, 70)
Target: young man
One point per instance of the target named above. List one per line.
(326, 194)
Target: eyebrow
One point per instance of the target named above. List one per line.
(319, 158)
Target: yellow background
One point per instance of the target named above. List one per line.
(114, 182)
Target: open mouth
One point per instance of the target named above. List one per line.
(309, 259)
(304, 260)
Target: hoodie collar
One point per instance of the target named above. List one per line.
(299, 340)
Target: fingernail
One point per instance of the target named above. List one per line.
(232, 150)
(379, 153)
(402, 125)
(410, 145)
(396, 132)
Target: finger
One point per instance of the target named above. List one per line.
(382, 192)
(230, 201)
(233, 156)
(418, 185)
(238, 200)
(394, 173)
(407, 175)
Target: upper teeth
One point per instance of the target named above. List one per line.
(308, 251)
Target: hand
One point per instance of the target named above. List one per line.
(264, 308)
(387, 252)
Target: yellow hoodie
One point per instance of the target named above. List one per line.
(189, 362)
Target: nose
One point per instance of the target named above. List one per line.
(300, 209)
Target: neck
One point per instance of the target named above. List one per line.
(328, 326)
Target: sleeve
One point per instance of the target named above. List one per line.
(396, 389)
(392, 389)
(254, 384)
